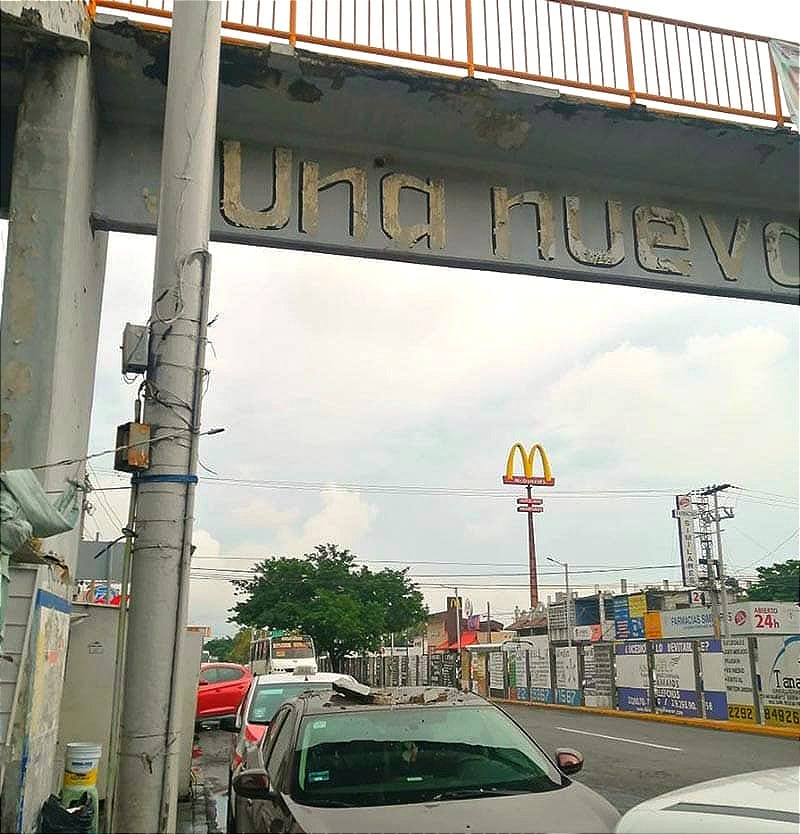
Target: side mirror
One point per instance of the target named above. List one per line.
(253, 784)
(569, 761)
(202, 682)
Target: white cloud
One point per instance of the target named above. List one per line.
(209, 599)
(709, 410)
(263, 514)
(344, 519)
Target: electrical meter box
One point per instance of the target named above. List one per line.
(133, 447)
(135, 349)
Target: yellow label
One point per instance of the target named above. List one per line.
(745, 713)
(80, 780)
(782, 716)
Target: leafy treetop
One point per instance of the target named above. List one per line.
(343, 607)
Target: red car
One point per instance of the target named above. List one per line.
(221, 689)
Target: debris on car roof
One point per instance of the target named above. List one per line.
(352, 689)
(344, 690)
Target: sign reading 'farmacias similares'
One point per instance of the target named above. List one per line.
(525, 223)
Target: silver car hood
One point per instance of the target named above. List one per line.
(574, 808)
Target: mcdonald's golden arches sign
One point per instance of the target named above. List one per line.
(528, 459)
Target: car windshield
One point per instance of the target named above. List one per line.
(269, 696)
(388, 757)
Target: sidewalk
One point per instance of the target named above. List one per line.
(197, 815)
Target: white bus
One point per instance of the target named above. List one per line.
(281, 654)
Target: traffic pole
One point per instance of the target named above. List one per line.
(150, 729)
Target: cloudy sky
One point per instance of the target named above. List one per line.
(329, 371)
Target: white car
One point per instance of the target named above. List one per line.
(763, 801)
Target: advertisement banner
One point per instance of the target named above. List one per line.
(598, 676)
(684, 514)
(715, 699)
(779, 677)
(637, 605)
(764, 618)
(652, 625)
(674, 683)
(521, 673)
(511, 670)
(739, 680)
(496, 681)
(632, 677)
(567, 679)
(541, 689)
(621, 617)
(688, 622)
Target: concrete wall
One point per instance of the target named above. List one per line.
(88, 682)
(190, 674)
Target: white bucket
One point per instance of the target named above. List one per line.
(80, 764)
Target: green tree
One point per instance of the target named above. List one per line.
(240, 650)
(219, 647)
(779, 582)
(343, 607)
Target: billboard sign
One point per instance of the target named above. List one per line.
(684, 514)
(674, 680)
(739, 680)
(712, 668)
(528, 460)
(779, 678)
(632, 677)
(496, 677)
(598, 676)
(567, 680)
(688, 622)
(541, 688)
(764, 618)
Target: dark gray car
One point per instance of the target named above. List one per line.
(409, 760)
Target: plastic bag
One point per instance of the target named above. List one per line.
(56, 819)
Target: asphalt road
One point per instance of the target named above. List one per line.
(629, 760)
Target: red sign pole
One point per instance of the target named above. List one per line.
(532, 557)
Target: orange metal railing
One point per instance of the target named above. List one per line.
(619, 55)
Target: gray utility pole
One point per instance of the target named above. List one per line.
(150, 729)
(719, 514)
(565, 565)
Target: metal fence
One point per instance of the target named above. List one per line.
(620, 55)
(737, 679)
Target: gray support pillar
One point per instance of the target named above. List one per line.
(55, 266)
(48, 334)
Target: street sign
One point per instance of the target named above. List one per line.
(531, 502)
(530, 509)
(467, 607)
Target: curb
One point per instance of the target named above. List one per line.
(703, 723)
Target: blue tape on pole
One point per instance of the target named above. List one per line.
(165, 479)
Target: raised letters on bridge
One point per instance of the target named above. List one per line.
(515, 220)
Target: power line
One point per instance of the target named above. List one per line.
(774, 549)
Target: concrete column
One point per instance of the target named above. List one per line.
(55, 267)
(48, 345)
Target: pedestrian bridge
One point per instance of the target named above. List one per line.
(563, 139)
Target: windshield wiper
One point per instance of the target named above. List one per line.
(475, 793)
(330, 803)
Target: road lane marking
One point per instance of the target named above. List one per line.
(617, 738)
